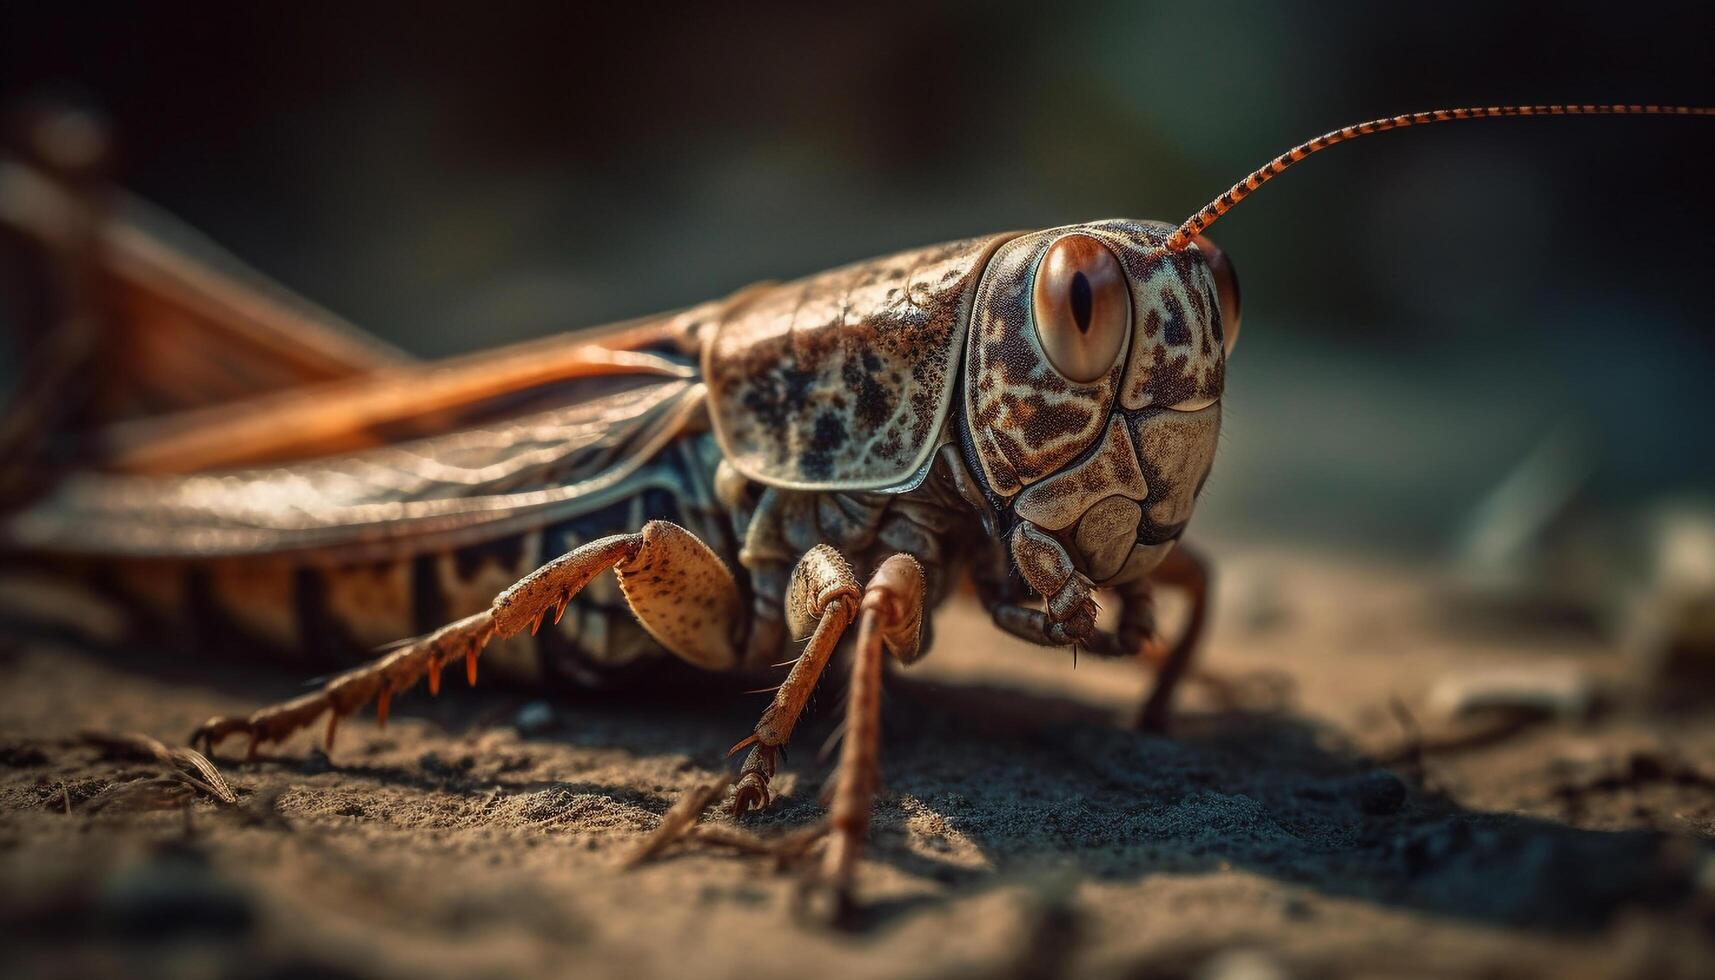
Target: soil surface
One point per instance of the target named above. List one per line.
(1319, 818)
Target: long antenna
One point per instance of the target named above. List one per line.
(1195, 224)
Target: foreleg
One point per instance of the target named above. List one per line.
(1069, 610)
(1182, 569)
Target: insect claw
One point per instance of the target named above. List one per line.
(745, 744)
(435, 666)
(560, 607)
(536, 624)
(470, 666)
(381, 707)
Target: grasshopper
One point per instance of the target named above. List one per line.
(1035, 411)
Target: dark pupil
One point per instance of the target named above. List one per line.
(1082, 300)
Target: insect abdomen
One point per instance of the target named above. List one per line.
(327, 615)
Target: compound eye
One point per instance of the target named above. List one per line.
(1227, 286)
(1083, 308)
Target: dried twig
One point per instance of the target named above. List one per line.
(184, 764)
(788, 849)
(1477, 733)
(679, 819)
(153, 793)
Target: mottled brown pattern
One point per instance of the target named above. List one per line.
(842, 380)
(866, 528)
(1105, 536)
(1041, 560)
(1176, 450)
(1026, 419)
(1176, 352)
(1057, 502)
(1033, 429)
(683, 596)
(1143, 559)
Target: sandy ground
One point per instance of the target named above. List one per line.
(1021, 832)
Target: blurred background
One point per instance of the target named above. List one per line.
(1424, 310)
(1481, 353)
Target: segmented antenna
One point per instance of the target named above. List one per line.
(1195, 224)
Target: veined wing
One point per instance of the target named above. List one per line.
(442, 491)
(204, 364)
(385, 406)
(183, 322)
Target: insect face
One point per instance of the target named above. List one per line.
(1095, 368)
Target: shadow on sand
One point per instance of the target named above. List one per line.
(1039, 782)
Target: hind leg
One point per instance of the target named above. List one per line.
(675, 585)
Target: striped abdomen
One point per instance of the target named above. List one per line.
(323, 614)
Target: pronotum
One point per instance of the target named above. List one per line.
(1034, 410)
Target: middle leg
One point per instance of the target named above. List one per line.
(1183, 569)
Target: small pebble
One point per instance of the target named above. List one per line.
(534, 718)
(1242, 964)
(1563, 690)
